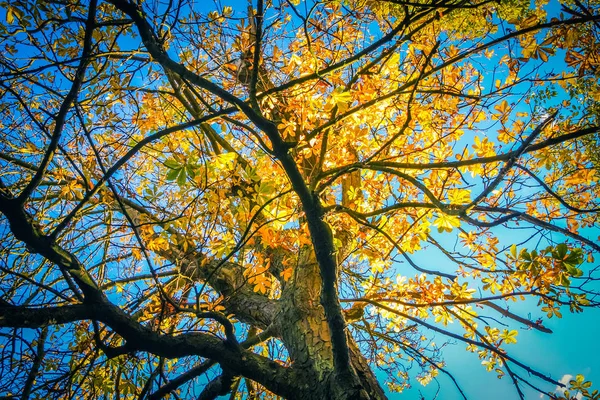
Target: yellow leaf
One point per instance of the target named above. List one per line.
(509, 336)
(459, 196)
(446, 222)
(502, 108)
(225, 160)
(483, 148)
(262, 284)
(9, 16)
(341, 100)
(286, 274)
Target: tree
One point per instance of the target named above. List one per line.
(204, 199)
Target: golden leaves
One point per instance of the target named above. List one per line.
(483, 148)
(531, 49)
(342, 99)
(552, 311)
(491, 283)
(509, 337)
(157, 244)
(287, 273)
(257, 275)
(288, 129)
(441, 315)
(446, 222)
(503, 109)
(461, 291)
(459, 196)
(72, 190)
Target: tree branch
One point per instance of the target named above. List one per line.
(65, 106)
(276, 378)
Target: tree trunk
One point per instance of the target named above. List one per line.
(305, 333)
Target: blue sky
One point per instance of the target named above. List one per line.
(572, 349)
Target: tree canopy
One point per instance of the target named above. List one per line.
(291, 198)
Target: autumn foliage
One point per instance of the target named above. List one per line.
(291, 198)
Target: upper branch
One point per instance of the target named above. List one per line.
(65, 106)
(335, 173)
(156, 50)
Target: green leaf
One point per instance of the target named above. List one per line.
(182, 177)
(191, 170)
(575, 257)
(172, 174)
(172, 164)
(251, 174)
(560, 251)
(571, 269)
(563, 281)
